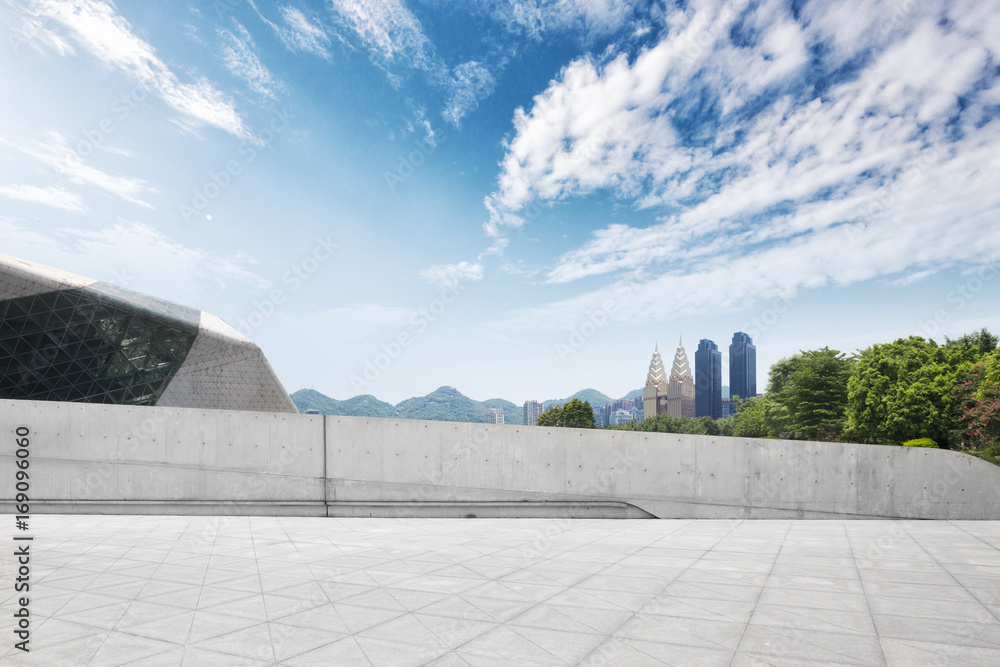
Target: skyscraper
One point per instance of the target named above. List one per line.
(708, 380)
(493, 416)
(531, 411)
(654, 395)
(742, 366)
(680, 390)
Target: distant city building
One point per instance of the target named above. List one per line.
(654, 394)
(637, 413)
(726, 407)
(493, 416)
(600, 420)
(742, 366)
(311, 411)
(680, 389)
(532, 409)
(708, 380)
(621, 416)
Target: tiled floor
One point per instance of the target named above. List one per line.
(116, 590)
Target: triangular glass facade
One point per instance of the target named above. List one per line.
(98, 344)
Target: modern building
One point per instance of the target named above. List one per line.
(493, 416)
(708, 380)
(68, 338)
(680, 389)
(726, 407)
(654, 394)
(620, 416)
(742, 366)
(532, 409)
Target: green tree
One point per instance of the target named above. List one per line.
(575, 414)
(811, 389)
(756, 417)
(978, 402)
(981, 342)
(904, 390)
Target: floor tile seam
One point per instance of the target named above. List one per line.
(864, 592)
(994, 614)
(253, 545)
(788, 529)
(113, 629)
(529, 609)
(680, 526)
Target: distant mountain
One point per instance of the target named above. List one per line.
(596, 398)
(442, 404)
(359, 406)
(635, 393)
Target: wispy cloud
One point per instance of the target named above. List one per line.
(51, 196)
(471, 82)
(97, 28)
(389, 31)
(452, 275)
(298, 33)
(772, 147)
(240, 57)
(537, 17)
(55, 152)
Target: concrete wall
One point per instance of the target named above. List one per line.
(95, 458)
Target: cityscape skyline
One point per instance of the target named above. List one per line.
(391, 199)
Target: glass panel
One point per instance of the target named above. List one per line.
(99, 344)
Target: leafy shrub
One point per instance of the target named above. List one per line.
(921, 442)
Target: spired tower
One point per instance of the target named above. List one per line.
(680, 389)
(654, 395)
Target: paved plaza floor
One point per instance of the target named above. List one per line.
(134, 590)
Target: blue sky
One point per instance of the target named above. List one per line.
(517, 198)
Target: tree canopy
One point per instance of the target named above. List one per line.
(575, 414)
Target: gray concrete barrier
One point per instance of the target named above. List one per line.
(117, 459)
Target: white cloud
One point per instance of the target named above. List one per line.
(240, 58)
(878, 175)
(389, 31)
(99, 29)
(52, 196)
(536, 17)
(299, 33)
(471, 82)
(132, 255)
(57, 154)
(452, 275)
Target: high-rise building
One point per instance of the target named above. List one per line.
(531, 411)
(680, 389)
(654, 394)
(726, 414)
(620, 417)
(493, 416)
(708, 380)
(742, 366)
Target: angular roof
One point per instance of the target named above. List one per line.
(681, 367)
(73, 339)
(656, 373)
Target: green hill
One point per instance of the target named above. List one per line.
(442, 404)
(635, 393)
(594, 397)
(359, 406)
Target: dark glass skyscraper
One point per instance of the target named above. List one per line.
(742, 366)
(708, 380)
